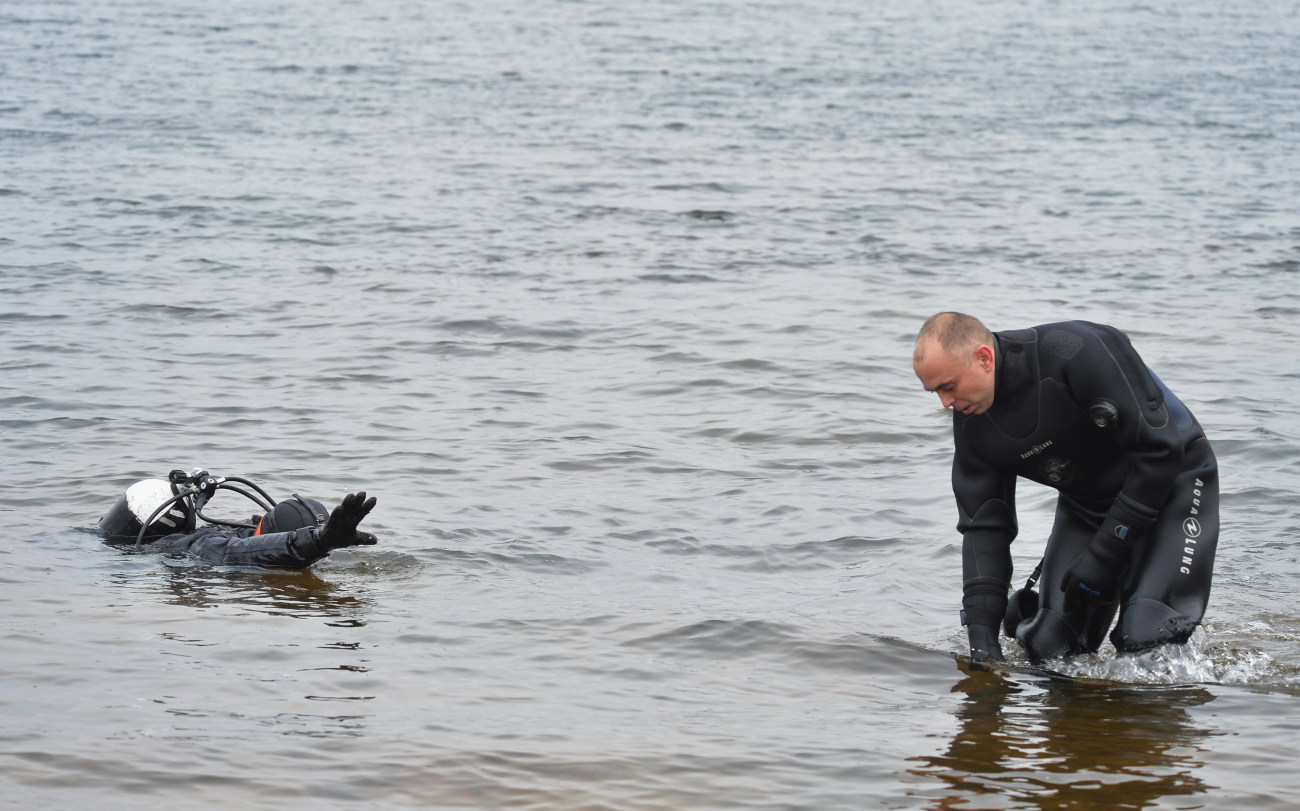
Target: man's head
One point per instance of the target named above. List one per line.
(954, 358)
(293, 513)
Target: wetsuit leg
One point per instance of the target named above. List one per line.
(1168, 587)
(1054, 632)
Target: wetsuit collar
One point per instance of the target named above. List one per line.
(1015, 367)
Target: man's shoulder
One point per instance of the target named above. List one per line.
(1036, 333)
(1066, 339)
(1078, 327)
(1073, 325)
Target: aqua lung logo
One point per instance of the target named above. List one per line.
(1037, 449)
(1191, 530)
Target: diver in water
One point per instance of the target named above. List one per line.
(162, 516)
(1072, 406)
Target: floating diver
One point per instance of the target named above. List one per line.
(162, 515)
(1072, 406)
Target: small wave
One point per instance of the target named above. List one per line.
(1281, 264)
(680, 357)
(517, 558)
(602, 461)
(1277, 312)
(676, 278)
(709, 187)
(12, 317)
(770, 558)
(710, 216)
(34, 136)
(752, 364)
(512, 329)
(176, 311)
(711, 637)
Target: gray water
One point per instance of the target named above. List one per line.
(611, 305)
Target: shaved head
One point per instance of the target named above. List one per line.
(956, 333)
(955, 358)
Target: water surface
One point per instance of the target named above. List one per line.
(612, 308)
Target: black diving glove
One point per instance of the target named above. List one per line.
(984, 644)
(983, 604)
(1094, 576)
(340, 528)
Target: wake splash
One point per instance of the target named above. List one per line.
(1197, 662)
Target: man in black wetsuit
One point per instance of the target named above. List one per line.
(293, 534)
(1072, 406)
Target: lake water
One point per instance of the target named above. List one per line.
(611, 305)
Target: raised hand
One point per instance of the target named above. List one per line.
(340, 528)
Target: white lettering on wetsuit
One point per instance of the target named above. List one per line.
(1191, 530)
(1039, 448)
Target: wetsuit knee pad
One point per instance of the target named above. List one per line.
(1149, 623)
(1048, 636)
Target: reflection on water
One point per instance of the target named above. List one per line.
(299, 593)
(219, 663)
(1057, 743)
(296, 594)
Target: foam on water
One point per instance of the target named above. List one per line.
(1200, 661)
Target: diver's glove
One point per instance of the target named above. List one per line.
(984, 603)
(984, 644)
(340, 528)
(1094, 576)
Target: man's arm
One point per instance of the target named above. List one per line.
(987, 521)
(1143, 425)
(222, 546)
(1109, 375)
(295, 549)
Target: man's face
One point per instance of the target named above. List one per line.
(963, 382)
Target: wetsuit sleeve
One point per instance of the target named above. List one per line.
(285, 550)
(986, 518)
(1109, 370)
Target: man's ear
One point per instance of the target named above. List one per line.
(984, 357)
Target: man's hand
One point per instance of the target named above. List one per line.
(341, 528)
(1094, 576)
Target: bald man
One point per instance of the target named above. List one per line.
(1072, 406)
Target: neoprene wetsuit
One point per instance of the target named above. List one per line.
(1076, 409)
(223, 546)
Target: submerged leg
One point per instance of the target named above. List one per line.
(1169, 585)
